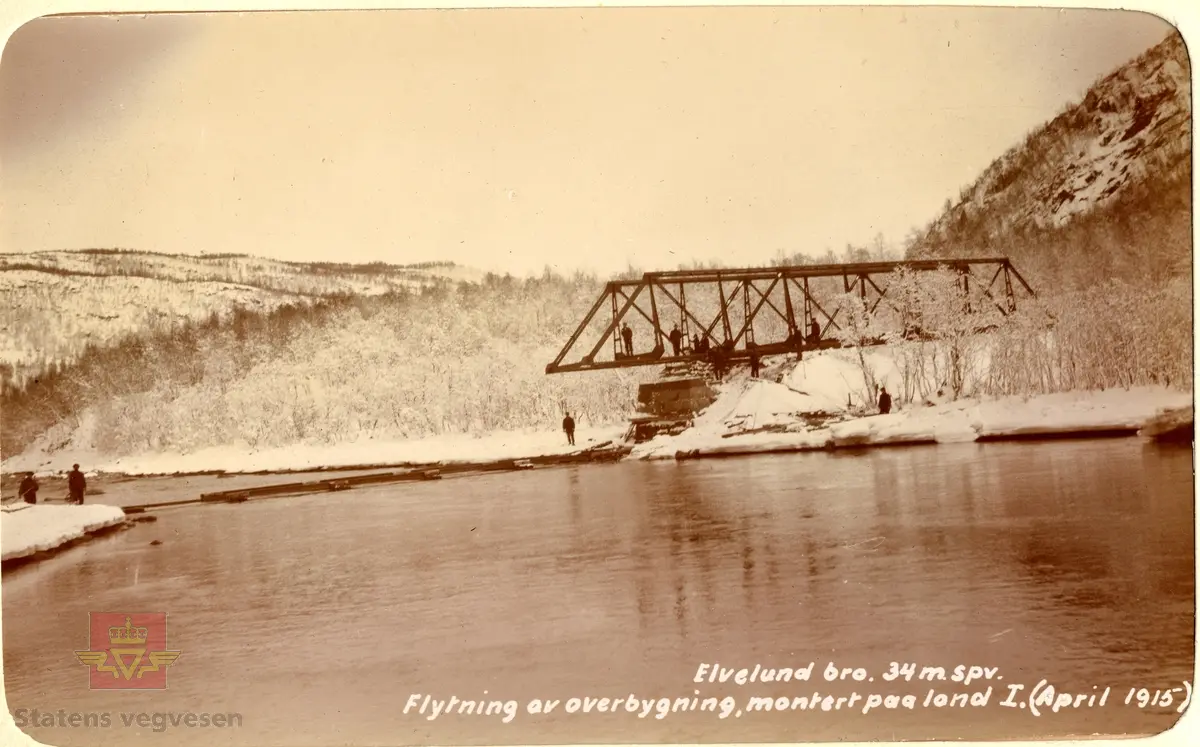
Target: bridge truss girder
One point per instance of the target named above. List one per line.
(796, 307)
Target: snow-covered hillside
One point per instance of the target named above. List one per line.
(52, 317)
(1123, 148)
(310, 279)
(55, 304)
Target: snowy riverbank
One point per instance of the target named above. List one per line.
(452, 449)
(807, 408)
(30, 529)
(1072, 413)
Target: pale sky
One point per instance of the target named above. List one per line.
(515, 139)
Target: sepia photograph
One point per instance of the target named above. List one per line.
(596, 375)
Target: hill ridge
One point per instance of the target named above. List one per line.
(1130, 134)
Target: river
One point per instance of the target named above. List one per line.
(315, 618)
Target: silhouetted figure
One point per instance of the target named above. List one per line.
(885, 401)
(704, 347)
(627, 336)
(569, 428)
(814, 332)
(76, 485)
(28, 489)
(753, 360)
(716, 357)
(676, 338)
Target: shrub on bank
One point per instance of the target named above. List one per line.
(1111, 335)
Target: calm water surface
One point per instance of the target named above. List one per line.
(316, 618)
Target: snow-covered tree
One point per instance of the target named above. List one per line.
(857, 330)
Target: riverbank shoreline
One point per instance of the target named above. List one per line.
(747, 449)
(951, 423)
(34, 532)
(759, 416)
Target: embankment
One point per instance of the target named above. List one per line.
(810, 407)
(32, 532)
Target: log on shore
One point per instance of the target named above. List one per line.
(1171, 426)
(1054, 433)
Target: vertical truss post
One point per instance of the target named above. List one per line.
(617, 351)
(658, 341)
(683, 322)
(1009, 297)
(791, 312)
(724, 310)
(808, 317)
(747, 312)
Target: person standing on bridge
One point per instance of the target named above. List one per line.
(569, 428)
(753, 360)
(814, 333)
(676, 338)
(627, 335)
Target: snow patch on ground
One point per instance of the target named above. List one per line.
(833, 378)
(28, 529)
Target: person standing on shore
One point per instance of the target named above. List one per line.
(885, 401)
(29, 488)
(76, 485)
(569, 428)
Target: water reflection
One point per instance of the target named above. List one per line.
(1070, 561)
(575, 497)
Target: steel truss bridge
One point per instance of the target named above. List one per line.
(792, 309)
